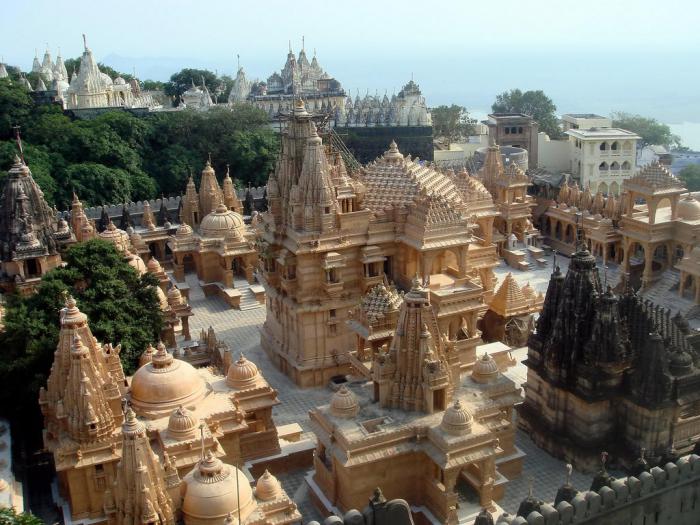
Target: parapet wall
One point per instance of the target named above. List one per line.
(663, 495)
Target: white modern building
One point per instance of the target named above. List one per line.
(602, 157)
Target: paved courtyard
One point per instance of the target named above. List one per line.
(240, 330)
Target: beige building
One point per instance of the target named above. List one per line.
(330, 236)
(422, 428)
(93, 416)
(603, 158)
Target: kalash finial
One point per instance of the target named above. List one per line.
(569, 471)
(85, 42)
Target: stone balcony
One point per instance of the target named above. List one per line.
(333, 289)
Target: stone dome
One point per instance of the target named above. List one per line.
(183, 231)
(344, 403)
(136, 262)
(154, 266)
(267, 487)
(182, 424)
(680, 363)
(221, 222)
(174, 296)
(456, 420)
(158, 387)
(213, 490)
(242, 374)
(485, 369)
(118, 237)
(119, 81)
(688, 208)
(147, 355)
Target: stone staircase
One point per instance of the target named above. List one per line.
(248, 300)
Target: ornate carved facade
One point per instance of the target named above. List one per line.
(330, 236)
(609, 372)
(425, 427)
(115, 475)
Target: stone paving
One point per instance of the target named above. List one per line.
(240, 330)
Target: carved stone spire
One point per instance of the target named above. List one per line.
(231, 199)
(139, 494)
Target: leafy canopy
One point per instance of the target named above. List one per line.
(12, 517)
(122, 307)
(452, 122)
(651, 130)
(534, 103)
(690, 175)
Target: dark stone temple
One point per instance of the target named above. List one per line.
(610, 372)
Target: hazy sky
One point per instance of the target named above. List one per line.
(588, 55)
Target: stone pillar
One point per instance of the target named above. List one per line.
(185, 321)
(227, 276)
(648, 268)
(179, 268)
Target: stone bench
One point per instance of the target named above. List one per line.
(258, 292)
(541, 262)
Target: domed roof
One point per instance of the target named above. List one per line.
(136, 262)
(183, 231)
(164, 384)
(267, 487)
(154, 266)
(485, 369)
(688, 208)
(242, 374)
(221, 222)
(680, 363)
(344, 403)
(106, 79)
(174, 296)
(119, 81)
(182, 424)
(456, 420)
(118, 237)
(213, 489)
(147, 355)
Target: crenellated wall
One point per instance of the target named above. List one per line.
(661, 495)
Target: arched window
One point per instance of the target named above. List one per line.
(603, 166)
(615, 166)
(627, 145)
(520, 130)
(603, 188)
(614, 146)
(626, 165)
(513, 130)
(614, 188)
(603, 146)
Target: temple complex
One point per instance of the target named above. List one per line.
(610, 372)
(298, 78)
(31, 235)
(222, 247)
(420, 426)
(649, 229)
(140, 446)
(329, 236)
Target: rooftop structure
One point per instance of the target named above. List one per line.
(514, 129)
(341, 233)
(609, 371)
(424, 426)
(584, 121)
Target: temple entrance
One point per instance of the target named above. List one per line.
(32, 268)
(188, 263)
(467, 497)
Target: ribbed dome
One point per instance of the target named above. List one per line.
(154, 266)
(164, 384)
(221, 222)
(118, 237)
(174, 296)
(183, 231)
(344, 403)
(182, 424)
(688, 209)
(456, 420)
(212, 490)
(136, 262)
(242, 374)
(267, 487)
(147, 355)
(485, 369)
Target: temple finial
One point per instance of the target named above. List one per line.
(85, 42)
(569, 470)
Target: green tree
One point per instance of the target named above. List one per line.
(97, 184)
(121, 305)
(12, 517)
(651, 130)
(452, 122)
(15, 107)
(152, 85)
(183, 80)
(40, 162)
(691, 176)
(534, 103)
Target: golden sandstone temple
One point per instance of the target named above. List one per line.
(379, 281)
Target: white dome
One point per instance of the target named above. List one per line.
(688, 209)
(485, 369)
